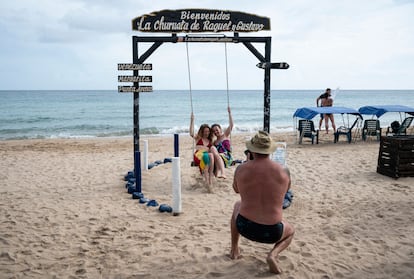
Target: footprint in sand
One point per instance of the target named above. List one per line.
(306, 254)
(207, 249)
(301, 243)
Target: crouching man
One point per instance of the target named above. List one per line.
(262, 185)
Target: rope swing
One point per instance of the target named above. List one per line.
(189, 80)
(189, 76)
(191, 91)
(190, 85)
(227, 75)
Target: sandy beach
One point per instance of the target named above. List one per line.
(65, 213)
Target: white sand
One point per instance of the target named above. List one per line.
(65, 213)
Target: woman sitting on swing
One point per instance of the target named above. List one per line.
(203, 158)
(222, 151)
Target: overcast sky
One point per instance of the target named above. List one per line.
(68, 44)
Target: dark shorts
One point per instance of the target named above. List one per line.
(259, 232)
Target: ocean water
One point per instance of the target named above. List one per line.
(106, 113)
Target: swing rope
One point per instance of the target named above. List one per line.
(189, 76)
(191, 92)
(227, 78)
(227, 75)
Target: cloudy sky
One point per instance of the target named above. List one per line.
(77, 44)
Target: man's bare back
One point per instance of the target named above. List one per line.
(262, 185)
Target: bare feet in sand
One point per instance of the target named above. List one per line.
(273, 265)
(235, 254)
(221, 175)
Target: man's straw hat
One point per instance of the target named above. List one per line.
(261, 143)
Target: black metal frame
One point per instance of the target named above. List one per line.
(247, 42)
(264, 63)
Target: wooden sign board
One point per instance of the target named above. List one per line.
(134, 78)
(200, 20)
(133, 89)
(278, 65)
(133, 67)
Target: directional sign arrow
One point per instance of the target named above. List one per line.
(135, 78)
(268, 65)
(127, 67)
(133, 89)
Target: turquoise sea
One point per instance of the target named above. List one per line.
(107, 113)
